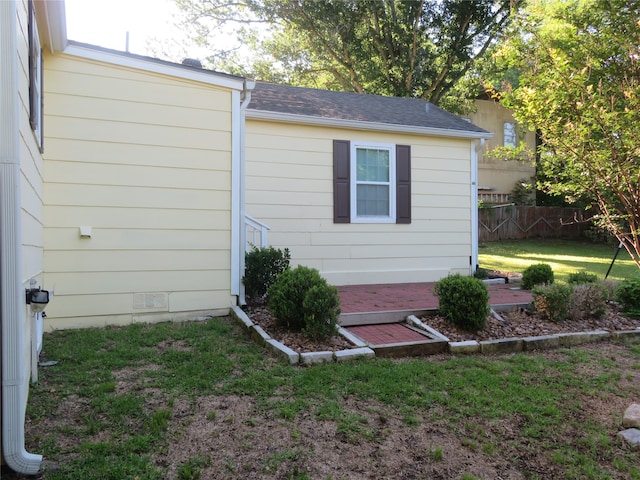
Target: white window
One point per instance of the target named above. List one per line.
(373, 183)
(35, 78)
(509, 134)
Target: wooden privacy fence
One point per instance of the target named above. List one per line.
(512, 222)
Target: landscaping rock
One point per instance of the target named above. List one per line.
(505, 345)
(631, 436)
(413, 320)
(631, 417)
(242, 318)
(343, 355)
(309, 358)
(541, 343)
(628, 337)
(579, 338)
(468, 346)
(351, 337)
(292, 356)
(410, 349)
(259, 335)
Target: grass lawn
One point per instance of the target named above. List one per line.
(199, 400)
(563, 256)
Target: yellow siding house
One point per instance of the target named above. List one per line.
(126, 183)
(27, 28)
(364, 188)
(142, 217)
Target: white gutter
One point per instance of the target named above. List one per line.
(360, 125)
(240, 183)
(55, 24)
(12, 294)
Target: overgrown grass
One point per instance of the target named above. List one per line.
(124, 433)
(564, 257)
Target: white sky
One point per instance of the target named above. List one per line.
(106, 23)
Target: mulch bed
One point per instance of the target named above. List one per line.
(523, 323)
(517, 323)
(295, 340)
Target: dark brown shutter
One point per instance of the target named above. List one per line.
(403, 184)
(341, 181)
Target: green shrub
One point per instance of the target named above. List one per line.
(321, 306)
(464, 301)
(552, 301)
(587, 301)
(301, 299)
(481, 273)
(628, 294)
(578, 278)
(261, 267)
(538, 274)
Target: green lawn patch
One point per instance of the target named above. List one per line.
(200, 400)
(564, 257)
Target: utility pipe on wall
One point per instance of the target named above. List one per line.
(474, 205)
(12, 295)
(249, 85)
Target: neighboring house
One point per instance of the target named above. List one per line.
(497, 178)
(127, 194)
(365, 188)
(26, 29)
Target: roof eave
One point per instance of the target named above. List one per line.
(362, 125)
(52, 23)
(164, 68)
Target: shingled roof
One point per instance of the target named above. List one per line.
(272, 100)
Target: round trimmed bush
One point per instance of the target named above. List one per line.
(464, 301)
(538, 274)
(321, 307)
(301, 299)
(261, 268)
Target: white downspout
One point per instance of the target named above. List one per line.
(12, 295)
(474, 205)
(246, 98)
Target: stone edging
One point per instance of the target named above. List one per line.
(504, 345)
(261, 337)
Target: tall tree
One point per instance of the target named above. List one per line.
(580, 87)
(418, 48)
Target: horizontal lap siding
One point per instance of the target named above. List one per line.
(31, 190)
(145, 160)
(290, 188)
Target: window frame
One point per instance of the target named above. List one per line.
(36, 84)
(391, 183)
(513, 134)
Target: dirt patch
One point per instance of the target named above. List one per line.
(128, 379)
(235, 438)
(240, 442)
(177, 345)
